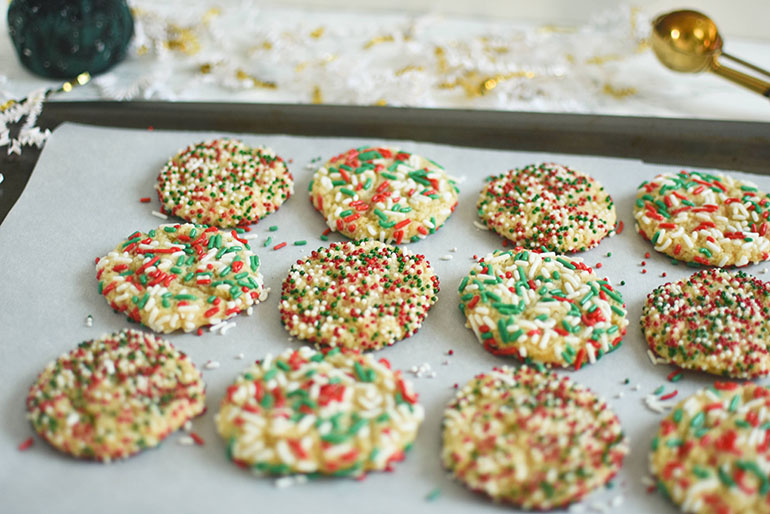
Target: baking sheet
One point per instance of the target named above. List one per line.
(83, 198)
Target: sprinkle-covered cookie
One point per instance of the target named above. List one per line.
(713, 321)
(332, 413)
(359, 294)
(224, 183)
(547, 207)
(114, 396)
(181, 277)
(383, 194)
(542, 308)
(713, 220)
(531, 438)
(711, 453)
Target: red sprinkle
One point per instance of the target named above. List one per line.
(279, 246)
(198, 439)
(146, 199)
(26, 444)
(669, 395)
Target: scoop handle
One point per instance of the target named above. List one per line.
(757, 85)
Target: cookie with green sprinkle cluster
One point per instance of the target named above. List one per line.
(224, 183)
(712, 453)
(713, 220)
(181, 277)
(336, 413)
(713, 321)
(531, 438)
(547, 207)
(112, 397)
(362, 295)
(542, 308)
(383, 193)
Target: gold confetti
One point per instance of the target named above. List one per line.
(242, 75)
(378, 40)
(318, 33)
(408, 68)
(475, 84)
(205, 68)
(317, 96)
(210, 14)
(603, 59)
(618, 93)
(556, 29)
(182, 39)
(381, 102)
(440, 53)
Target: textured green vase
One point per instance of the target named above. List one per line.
(63, 38)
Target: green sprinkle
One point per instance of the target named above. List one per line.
(301, 242)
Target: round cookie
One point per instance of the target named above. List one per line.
(181, 277)
(711, 453)
(547, 207)
(542, 308)
(531, 438)
(114, 396)
(713, 220)
(713, 321)
(224, 183)
(384, 194)
(333, 413)
(359, 294)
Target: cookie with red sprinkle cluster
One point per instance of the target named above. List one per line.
(181, 277)
(712, 453)
(114, 396)
(713, 321)
(334, 413)
(383, 193)
(531, 438)
(542, 308)
(224, 183)
(714, 220)
(362, 295)
(547, 206)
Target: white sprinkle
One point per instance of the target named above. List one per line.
(251, 236)
(289, 481)
(446, 258)
(211, 365)
(619, 395)
(187, 427)
(655, 405)
(648, 481)
(652, 357)
(89, 321)
(600, 507)
(159, 215)
(479, 226)
(186, 440)
(239, 357)
(453, 250)
(764, 270)
(617, 501)
(637, 387)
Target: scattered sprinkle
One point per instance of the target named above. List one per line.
(479, 226)
(186, 440)
(289, 481)
(446, 258)
(24, 446)
(273, 228)
(433, 495)
(159, 215)
(146, 199)
(89, 321)
(453, 250)
(198, 439)
(279, 246)
(239, 357)
(211, 365)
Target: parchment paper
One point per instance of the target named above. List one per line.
(83, 198)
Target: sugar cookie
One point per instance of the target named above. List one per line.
(713, 321)
(224, 183)
(711, 453)
(714, 220)
(384, 194)
(542, 308)
(531, 438)
(547, 207)
(111, 397)
(181, 277)
(334, 413)
(359, 294)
